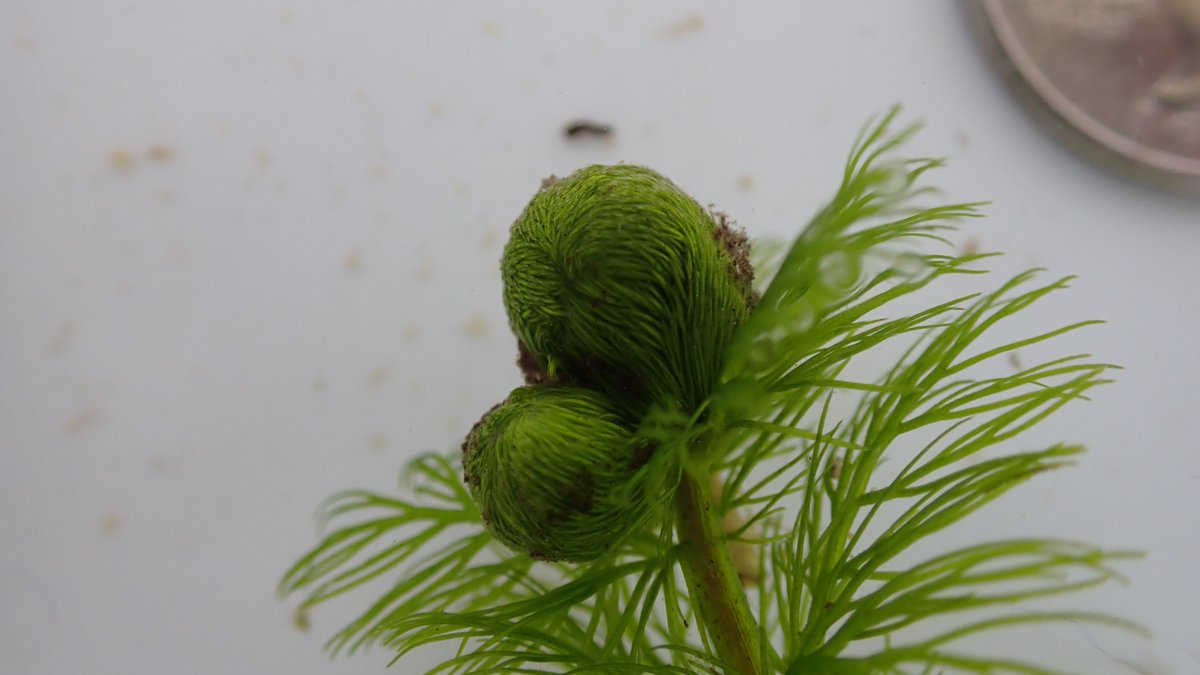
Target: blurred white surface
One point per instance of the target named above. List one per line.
(248, 257)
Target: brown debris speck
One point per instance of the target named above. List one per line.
(692, 23)
(301, 621)
(476, 326)
(426, 271)
(745, 182)
(262, 158)
(81, 420)
(164, 196)
(1014, 360)
(62, 338)
(160, 152)
(109, 524)
(121, 159)
(435, 109)
(489, 239)
(585, 128)
(353, 261)
(24, 43)
(490, 28)
(379, 375)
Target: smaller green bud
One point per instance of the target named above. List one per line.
(550, 469)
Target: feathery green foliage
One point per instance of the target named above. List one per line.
(819, 561)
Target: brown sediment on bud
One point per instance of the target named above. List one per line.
(533, 371)
(470, 480)
(642, 452)
(736, 244)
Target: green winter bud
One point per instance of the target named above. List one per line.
(550, 469)
(616, 280)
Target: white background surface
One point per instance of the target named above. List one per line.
(248, 258)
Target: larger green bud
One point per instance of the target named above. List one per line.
(550, 469)
(616, 280)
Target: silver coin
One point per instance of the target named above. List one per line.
(1117, 79)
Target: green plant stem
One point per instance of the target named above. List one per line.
(718, 597)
